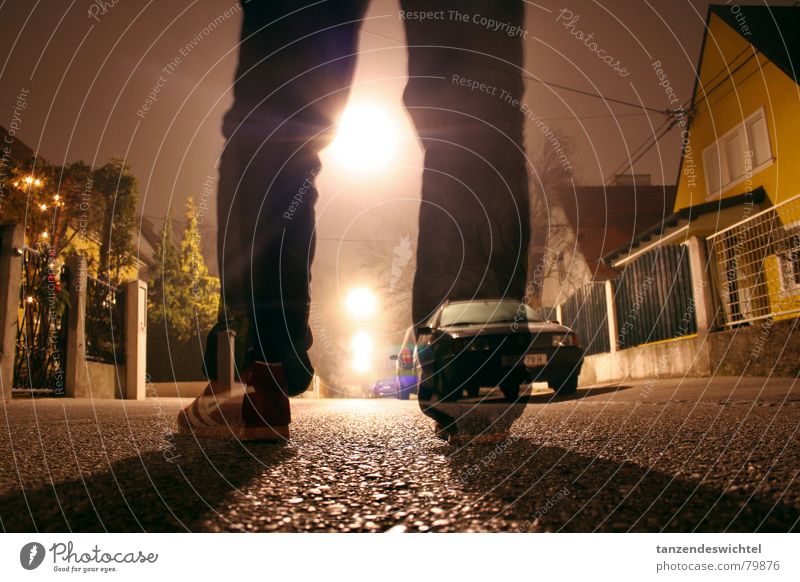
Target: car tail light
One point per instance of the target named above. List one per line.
(566, 339)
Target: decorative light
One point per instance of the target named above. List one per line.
(45, 234)
(29, 299)
(43, 207)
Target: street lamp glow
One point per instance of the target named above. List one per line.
(362, 344)
(361, 302)
(366, 139)
(361, 364)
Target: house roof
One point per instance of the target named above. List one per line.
(773, 30)
(680, 218)
(605, 218)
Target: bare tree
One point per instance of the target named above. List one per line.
(551, 174)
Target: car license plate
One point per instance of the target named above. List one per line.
(534, 360)
(528, 360)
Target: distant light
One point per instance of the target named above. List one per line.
(28, 179)
(361, 302)
(56, 197)
(43, 206)
(29, 299)
(362, 343)
(45, 234)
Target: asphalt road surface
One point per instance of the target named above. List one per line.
(666, 456)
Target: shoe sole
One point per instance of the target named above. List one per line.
(272, 434)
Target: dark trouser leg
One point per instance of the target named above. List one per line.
(474, 231)
(295, 68)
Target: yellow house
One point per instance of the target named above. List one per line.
(739, 179)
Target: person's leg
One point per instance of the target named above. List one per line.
(464, 93)
(295, 68)
(463, 81)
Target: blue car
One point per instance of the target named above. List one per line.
(387, 387)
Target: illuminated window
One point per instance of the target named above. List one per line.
(789, 263)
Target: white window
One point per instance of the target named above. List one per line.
(737, 155)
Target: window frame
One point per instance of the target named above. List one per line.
(721, 155)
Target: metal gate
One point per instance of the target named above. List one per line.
(586, 313)
(40, 355)
(654, 298)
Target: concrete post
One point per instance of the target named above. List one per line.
(226, 361)
(611, 313)
(77, 382)
(12, 239)
(702, 289)
(135, 340)
(559, 315)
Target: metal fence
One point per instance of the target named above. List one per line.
(40, 354)
(105, 322)
(586, 313)
(654, 299)
(757, 265)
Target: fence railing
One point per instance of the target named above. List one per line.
(586, 313)
(653, 298)
(105, 322)
(757, 265)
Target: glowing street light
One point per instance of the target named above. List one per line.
(361, 345)
(361, 302)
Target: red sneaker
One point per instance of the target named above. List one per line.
(259, 413)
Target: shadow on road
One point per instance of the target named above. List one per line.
(146, 493)
(538, 488)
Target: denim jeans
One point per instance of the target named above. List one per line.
(296, 63)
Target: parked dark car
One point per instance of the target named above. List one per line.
(404, 366)
(467, 345)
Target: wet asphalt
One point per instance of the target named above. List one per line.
(690, 455)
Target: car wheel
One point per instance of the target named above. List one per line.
(566, 385)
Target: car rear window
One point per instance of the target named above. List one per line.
(482, 312)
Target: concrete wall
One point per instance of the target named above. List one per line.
(680, 357)
(104, 381)
(764, 349)
(767, 348)
(176, 389)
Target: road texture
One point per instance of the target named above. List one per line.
(691, 455)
